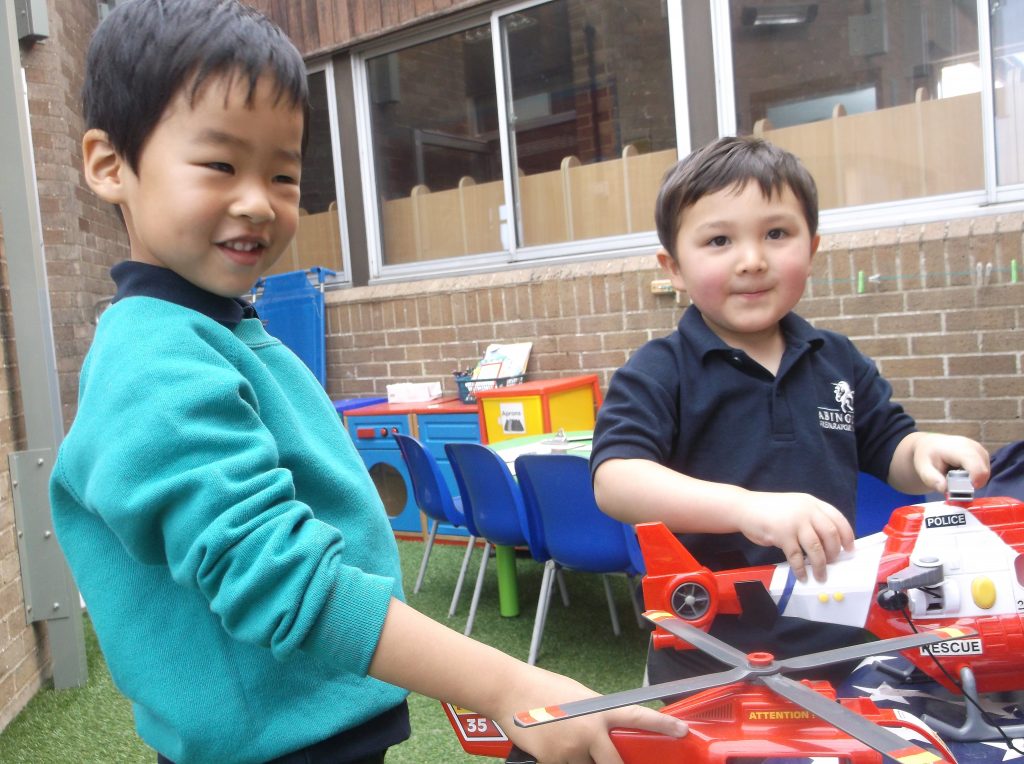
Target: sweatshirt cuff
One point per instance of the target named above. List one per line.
(348, 630)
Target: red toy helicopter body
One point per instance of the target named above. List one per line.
(734, 721)
(943, 583)
(934, 565)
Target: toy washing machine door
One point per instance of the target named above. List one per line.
(372, 436)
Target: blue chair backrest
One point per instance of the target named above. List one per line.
(577, 533)
(429, 488)
(876, 501)
(490, 495)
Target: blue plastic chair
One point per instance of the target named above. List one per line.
(558, 498)
(876, 501)
(430, 491)
(494, 504)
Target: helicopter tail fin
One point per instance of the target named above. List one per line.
(663, 553)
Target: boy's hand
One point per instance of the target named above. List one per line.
(806, 529)
(935, 455)
(584, 739)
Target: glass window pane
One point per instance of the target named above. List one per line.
(880, 99)
(1008, 76)
(591, 115)
(318, 238)
(436, 148)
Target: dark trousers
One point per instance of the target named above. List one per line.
(307, 756)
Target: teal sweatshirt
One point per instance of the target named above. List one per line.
(234, 556)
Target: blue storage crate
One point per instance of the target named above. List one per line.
(292, 309)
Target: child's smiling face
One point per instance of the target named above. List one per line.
(216, 196)
(744, 259)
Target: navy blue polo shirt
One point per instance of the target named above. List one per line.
(142, 279)
(695, 404)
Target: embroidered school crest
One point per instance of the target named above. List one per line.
(844, 396)
(840, 416)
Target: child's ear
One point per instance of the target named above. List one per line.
(671, 268)
(104, 167)
(815, 241)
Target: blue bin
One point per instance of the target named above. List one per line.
(292, 309)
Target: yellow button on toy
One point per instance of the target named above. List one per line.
(984, 592)
(838, 596)
(823, 598)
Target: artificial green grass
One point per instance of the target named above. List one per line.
(94, 723)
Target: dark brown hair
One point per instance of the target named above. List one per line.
(726, 163)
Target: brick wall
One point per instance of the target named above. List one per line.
(24, 654)
(951, 347)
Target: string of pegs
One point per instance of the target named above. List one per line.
(981, 274)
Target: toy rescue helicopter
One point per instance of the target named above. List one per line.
(943, 582)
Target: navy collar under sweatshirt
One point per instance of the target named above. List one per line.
(135, 279)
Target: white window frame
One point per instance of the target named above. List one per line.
(343, 277)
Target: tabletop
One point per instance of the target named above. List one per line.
(574, 443)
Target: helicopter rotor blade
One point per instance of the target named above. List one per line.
(872, 735)
(918, 639)
(537, 716)
(713, 646)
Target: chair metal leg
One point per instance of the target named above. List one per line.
(611, 605)
(462, 576)
(479, 587)
(635, 599)
(550, 571)
(426, 556)
(561, 585)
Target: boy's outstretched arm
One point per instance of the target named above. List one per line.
(810, 532)
(922, 459)
(424, 656)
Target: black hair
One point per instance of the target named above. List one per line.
(726, 163)
(145, 51)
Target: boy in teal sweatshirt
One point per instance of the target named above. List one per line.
(235, 558)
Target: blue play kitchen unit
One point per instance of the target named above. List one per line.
(435, 423)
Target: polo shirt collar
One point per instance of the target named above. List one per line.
(797, 331)
(135, 279)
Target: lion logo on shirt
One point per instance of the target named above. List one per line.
(844, 396)
(841, 416)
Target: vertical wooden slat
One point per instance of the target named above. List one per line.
(357, 17)
(310, 25)
(373, 15)
(297, 32)
(423, 7)
(342, 20)
(406, 10)
(325, 22)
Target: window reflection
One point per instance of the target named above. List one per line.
(1008, 83)
(880, 99)
(318, 237)
(436, 148)
(591, 116)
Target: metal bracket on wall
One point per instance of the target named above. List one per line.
(43, 576)
(33, 20)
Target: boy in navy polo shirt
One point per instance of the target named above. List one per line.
(235, 557)
(745, 429)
